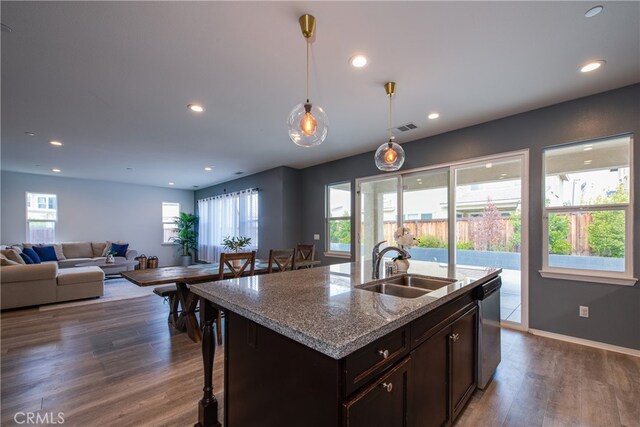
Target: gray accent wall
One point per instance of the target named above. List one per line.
(90, 210)
(278, 205)
(614, 310)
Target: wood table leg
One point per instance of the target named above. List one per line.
(208, 406)
(189, 302)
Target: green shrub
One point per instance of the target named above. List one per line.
(430, 242)
(464, 246)
(606, 231)
(559, 235)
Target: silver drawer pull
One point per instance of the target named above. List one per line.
(455, 337)
(383, 353)
(388, 387)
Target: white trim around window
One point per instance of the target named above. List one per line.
(626, 277)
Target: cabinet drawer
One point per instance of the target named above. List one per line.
(432, 322)
(383, 403)
(363, 365)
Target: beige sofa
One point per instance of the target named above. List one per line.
(34, 284)
(71, 254)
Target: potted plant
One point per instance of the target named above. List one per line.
(186, 235)
(236, 243)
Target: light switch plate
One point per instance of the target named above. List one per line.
(316, 237)
(584, 311)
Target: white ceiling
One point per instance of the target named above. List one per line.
(112, 80)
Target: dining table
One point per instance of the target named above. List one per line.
(183, 276)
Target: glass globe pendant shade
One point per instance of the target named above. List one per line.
(308, 125)
(389, 157)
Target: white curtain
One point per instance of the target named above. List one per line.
(234, 214)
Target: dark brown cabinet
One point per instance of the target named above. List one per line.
(443, 373)
(383, 403)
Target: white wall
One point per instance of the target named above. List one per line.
(91, 210)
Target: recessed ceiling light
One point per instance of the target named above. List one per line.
(30, 133)
(588, 148)
(588, 162)
(56, 170)
(488, 165)
(129, 169)
(593, 11)
(358, 61)
(196, 108)
(172, 183)
(208, 168)
(433, 116)
(419, 180)
(593, 65)
(503, 174)
(56, 143)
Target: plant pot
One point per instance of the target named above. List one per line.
(186, 260)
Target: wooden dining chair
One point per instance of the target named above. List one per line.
(243, 260)
(305, 253)
(238, 268)
(283, 259)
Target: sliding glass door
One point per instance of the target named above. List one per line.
(488, 205)
(378, 213)
(468, 213)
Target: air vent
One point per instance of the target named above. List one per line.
(404, 128)
(238, 173)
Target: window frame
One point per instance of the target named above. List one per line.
(625, 277)
(328, 219)
(28, 221)
(167, 222)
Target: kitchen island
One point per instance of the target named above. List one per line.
(311, 347)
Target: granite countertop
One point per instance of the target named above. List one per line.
(322, 308)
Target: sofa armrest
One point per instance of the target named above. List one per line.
(23, 273)
(131, 254)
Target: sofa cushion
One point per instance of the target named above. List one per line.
(26, 260)
(59, 251)
(120, 250)
(13, 255)
(76, 275)
(4, 261)
(30, 253)
(77, 250)
(23, 273)
(46, 253)
(107, 248)
(72, 262)
(98, 248)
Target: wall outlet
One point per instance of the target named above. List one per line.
(316, 237)
(584, 311)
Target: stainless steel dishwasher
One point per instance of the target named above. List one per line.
(488, 296)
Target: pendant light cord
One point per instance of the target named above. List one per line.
(390, 112)
(307, 71)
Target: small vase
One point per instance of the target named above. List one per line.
(401, 265)
(110, 259)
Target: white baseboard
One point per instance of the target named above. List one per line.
(588, 343)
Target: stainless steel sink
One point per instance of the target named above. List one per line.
(406, 285)
(394, 290)
(416, 281)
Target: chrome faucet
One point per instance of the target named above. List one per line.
(377, 255)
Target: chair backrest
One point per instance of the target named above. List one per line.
(246, 259)
(305, 252)
(283, 259)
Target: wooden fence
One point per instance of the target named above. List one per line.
(467, 229)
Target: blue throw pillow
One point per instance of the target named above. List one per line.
(120, 250)
(46, 253)
(26, 259)
(32, 254)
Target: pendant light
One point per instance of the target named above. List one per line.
(389, 156)
(307, 123)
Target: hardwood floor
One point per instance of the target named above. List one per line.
(119, 363)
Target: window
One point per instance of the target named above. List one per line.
(338, 218)
(234, 215)
(170, 212)
(587, 216)
(42, 215)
